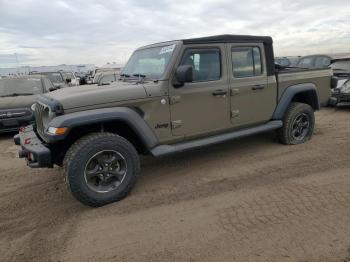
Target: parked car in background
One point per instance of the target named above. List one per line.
(319, 61)
(70, 78)
(108, 75)
(341, 79)
(341, 66)
(57, 78)
(17, 96)
(83, 78)
(287, 61)
(96, 78)
(107, 78)
(107, 68)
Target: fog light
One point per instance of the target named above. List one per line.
(57, 130)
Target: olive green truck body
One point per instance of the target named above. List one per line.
(176, 96)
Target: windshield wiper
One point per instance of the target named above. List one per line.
(139, 75)
(141, 78)
(17, 94)
(123, 76)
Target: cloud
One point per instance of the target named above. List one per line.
(96, 31)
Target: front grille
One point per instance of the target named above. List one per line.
(39, 111)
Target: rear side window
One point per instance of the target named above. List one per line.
(322, 62)
(306, 62)
(246, 62)
(206, 64)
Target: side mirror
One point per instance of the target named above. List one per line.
(183, 74)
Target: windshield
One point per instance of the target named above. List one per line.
(97, 78)
(20, 86)
(69, 75)
(54, 77)
(150, 62)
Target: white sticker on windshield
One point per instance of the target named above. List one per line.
(167, 49)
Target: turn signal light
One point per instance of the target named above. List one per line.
(57, 130)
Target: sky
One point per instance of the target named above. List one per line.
(43, 32)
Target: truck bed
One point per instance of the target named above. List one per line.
(293, 76)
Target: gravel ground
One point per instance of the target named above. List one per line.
(247, 200)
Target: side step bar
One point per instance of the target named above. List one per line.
(162, 150)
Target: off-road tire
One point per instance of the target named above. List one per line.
(295, 109)
(78, 156)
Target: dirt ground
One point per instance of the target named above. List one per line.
(247, 200)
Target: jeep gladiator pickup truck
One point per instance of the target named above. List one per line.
(170, 97)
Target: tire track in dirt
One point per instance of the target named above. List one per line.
(38, 217)
(283, 204)
(260, 175)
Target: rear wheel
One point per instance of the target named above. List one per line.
(298, 124)
(101, 168)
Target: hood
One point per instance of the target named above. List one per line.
(89, 95)
(17, 102)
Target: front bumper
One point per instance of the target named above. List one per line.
(32, 148)
(340, 97)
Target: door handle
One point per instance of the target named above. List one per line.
(219, 92)
(258, 87)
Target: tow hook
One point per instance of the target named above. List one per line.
(17, 140)
(23, 153)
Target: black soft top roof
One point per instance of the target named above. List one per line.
(229, 39)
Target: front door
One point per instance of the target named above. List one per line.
(252, 99)
(202, 105)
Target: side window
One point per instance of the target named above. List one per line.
(246, 62)
(257, 61)
(322, 62)
(206, 64)
(305, 62)
(107, 79)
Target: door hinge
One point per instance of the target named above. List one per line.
(234, 113)
(234, 91)
(176, 124)
(174, 100)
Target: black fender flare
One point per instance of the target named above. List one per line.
(128, 115)
(290, 93)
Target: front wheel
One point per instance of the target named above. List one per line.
(298, 124)
(101, 168)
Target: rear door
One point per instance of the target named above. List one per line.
(252, 99)
(201, 106)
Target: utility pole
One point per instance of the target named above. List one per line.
(17, 63)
